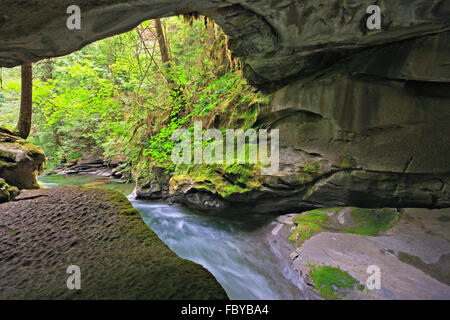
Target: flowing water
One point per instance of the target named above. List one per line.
(234, 250)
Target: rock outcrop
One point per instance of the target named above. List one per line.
(7, 192)
(20, 161)
(97, 167)
(45, 231)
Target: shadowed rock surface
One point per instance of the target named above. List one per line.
(277, 40)
(45, 231)
(7, 192)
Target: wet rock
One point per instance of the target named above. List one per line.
(94, 166)
(155, 187)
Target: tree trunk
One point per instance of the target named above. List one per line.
(176, 92)
(162, 43)
(24, 123)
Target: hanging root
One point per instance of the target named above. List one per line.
(190, 17)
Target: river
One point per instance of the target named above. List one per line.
(234, 250)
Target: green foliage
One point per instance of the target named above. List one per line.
(9, 97)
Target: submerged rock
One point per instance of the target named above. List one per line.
(45, 231)
(20, 161)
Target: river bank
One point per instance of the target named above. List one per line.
(234, 249)
(45, 231)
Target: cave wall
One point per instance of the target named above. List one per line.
(278, 40)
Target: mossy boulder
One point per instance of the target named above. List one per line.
(20, 161)
(7, 192)
(221, 180)
(215, 188)
(97, 229)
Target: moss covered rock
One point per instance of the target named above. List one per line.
(7, 192)
(97, 229)
(20, 161)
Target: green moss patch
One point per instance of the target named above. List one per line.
(308, 224)
(369, 222)
(330, 282)
(224, 180)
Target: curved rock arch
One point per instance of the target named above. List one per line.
(278, 40)
(381, 97)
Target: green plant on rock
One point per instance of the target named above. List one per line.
(370, 222)
(307, 224)
(313, 167)
(330, 281)
(366, 222)
(309, 172)
(224, 180)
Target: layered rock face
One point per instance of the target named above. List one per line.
(363, 114)
(378, 124)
